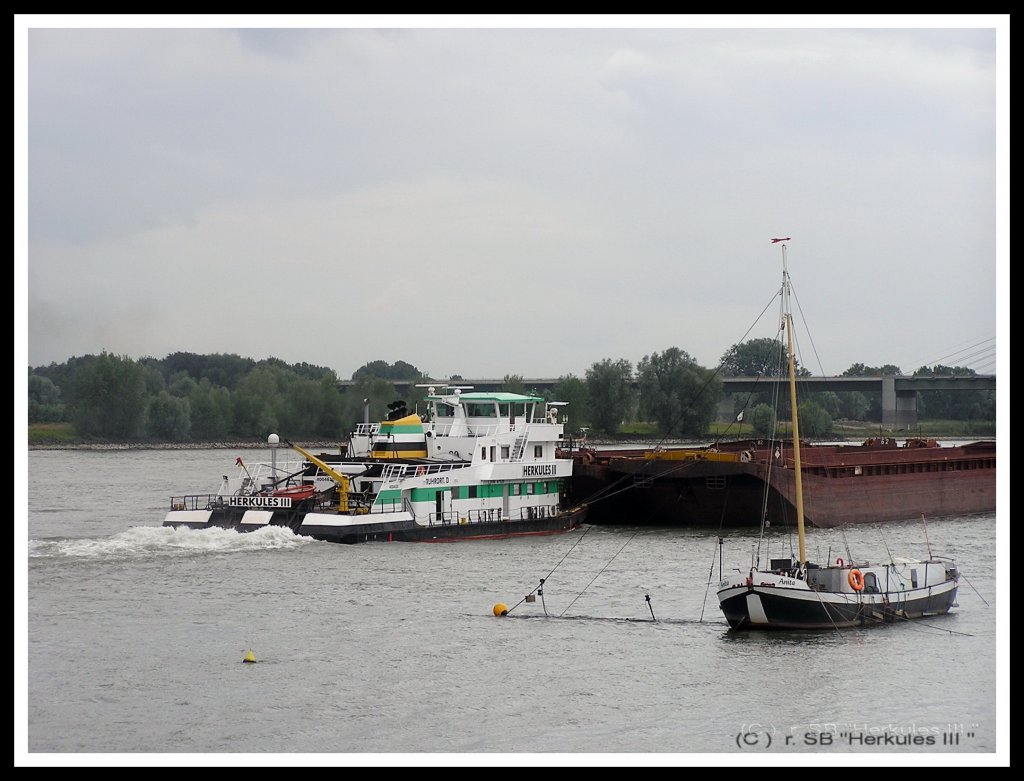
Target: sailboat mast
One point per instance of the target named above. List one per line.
(792, 403)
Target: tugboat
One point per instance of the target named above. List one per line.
(476, 465)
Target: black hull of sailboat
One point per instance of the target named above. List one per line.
(761, 609)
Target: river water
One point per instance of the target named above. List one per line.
(132, 638)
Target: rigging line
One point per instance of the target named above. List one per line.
(689, 405)
(552, 572)
(608, 563)
(774, 444)
(987, 364)
(985, 352)
(630, 539)
(917, 624)
(827, 613)
(711, 572)
(715, 373)
(846, 543)
(955, 353)
(806, 328)
(743, 409)
(974, 589)
(886, 544)
(607, 492)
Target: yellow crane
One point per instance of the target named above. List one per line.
(338, 477)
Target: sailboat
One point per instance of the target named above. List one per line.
(804, 595)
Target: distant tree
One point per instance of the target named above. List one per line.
(211, 413)
(109, 398)
(226, 370)
(44, 401)
(860, 370)
(42, 390)
(513, 383)
(677, 393)
(765, 358)
(373, 369)
(377, 392)
(828, 401)
(168, 418)
(755, 357)
(153, 372)
(762, 420)
(611, 394)
(301, 408)
(308, 371)
(180, 384)
(574, 391)
(954, 405)
(256, 401)
(853, 405)
(332, 409)
(814, 420)
(400, 370)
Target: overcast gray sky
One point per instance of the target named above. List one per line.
(511, 200)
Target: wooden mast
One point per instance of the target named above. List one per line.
(793, 412)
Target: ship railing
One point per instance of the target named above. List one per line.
(491, 515)
(264, 475)
(366, 429)
(388, 506)
(196, 502)
(394, 472)
(483, 429)
(453, 518)
(538, 511)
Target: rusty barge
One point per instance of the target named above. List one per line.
(881, 479)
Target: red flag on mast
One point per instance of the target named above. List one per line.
(776, 241)
(238, 461)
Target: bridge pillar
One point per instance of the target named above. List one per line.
(899, 408)
(726, 413)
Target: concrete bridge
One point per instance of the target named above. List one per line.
(899, 394)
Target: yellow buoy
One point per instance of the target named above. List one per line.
(250, 658)
(500, 609)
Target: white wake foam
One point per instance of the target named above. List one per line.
(142, 541)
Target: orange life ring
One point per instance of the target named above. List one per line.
(856, 579)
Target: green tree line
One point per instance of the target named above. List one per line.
(187, 397)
